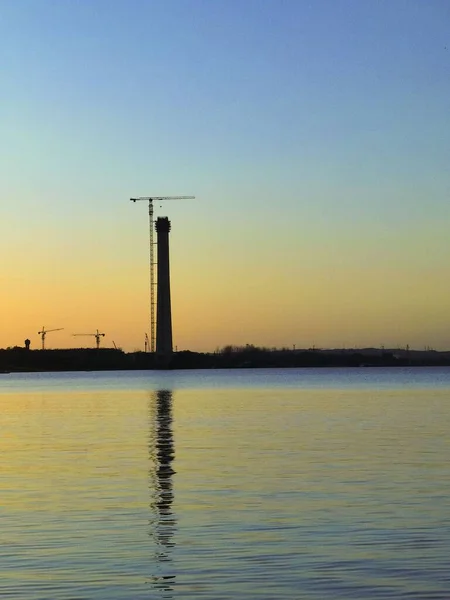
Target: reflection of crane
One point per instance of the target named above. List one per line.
(44, 332)
(150, 200)
(97, 336)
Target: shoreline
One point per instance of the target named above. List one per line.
(20, 360)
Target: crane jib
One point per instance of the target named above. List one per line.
(159, 198)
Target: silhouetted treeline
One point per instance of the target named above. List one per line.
(230, 357)
(77, 359)
(250, 356)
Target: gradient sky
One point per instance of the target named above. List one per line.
(314, 134)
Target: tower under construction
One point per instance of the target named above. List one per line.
(150, 200)
(163, 306)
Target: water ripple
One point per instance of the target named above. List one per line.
(225, 493)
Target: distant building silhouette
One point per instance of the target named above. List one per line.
(27, 344)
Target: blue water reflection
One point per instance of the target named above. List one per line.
(329, 378)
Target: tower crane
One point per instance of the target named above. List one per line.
(44, 332)
(150, 200)
(97, 336)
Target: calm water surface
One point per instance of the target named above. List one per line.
(268, 484)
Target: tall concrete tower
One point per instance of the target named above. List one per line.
(163, 307)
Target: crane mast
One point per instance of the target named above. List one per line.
(150, 200)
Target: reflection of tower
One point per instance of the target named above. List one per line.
(163, 308)
(161, 449)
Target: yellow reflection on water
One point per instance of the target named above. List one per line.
(263, 487)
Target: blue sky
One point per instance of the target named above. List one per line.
(314, 133)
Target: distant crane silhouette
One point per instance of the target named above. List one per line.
(146, 344)
(44, 332)
(97, 336)
(150, 200)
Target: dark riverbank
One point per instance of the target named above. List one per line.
(81, 359)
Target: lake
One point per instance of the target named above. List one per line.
(240, 484)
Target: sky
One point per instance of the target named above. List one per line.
(315, 135)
